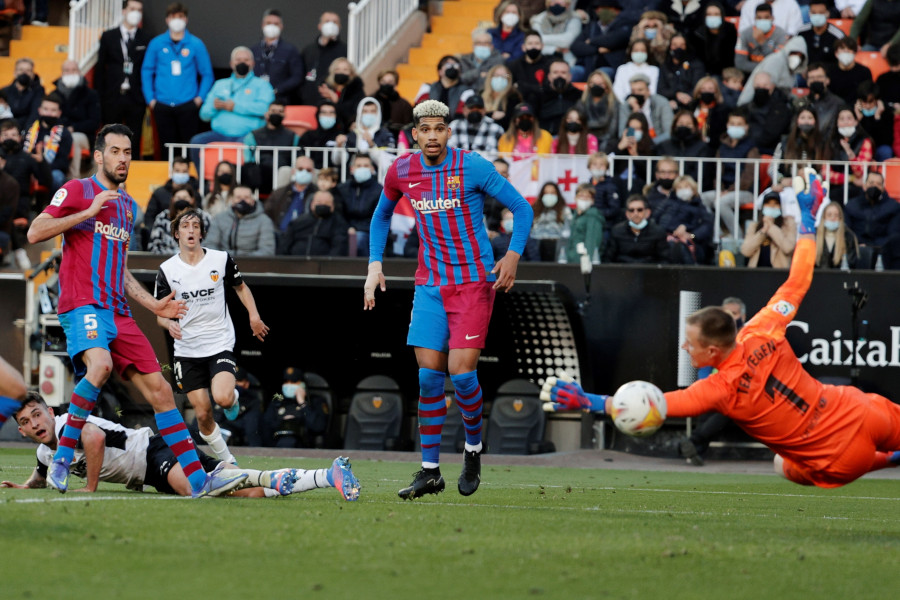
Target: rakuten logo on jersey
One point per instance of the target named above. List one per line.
(111, 232)
(439, 204)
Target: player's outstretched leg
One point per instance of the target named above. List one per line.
(432, 414)
(468, 396)
(84, 397)
(342, 478)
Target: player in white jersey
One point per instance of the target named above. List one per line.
(112, 453)
(204, 337)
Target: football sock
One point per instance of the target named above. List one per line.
(312, 479)
(83, 399)
(175, 434)
(217, 443)
(8, 408)
(432, 414)
(468, 397)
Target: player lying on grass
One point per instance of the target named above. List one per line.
(822, 435)
(111, 453)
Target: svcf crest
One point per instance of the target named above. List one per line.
(453, 182)
(518, 404)
(377, 401)
(214, 275)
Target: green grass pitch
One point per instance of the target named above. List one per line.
(528, 532)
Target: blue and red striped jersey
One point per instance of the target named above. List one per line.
(448, 201)
(93, 252)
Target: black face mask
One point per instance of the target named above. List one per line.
(559, 84)
(244, 208)
(224, 178)
(806, 128)
(451, 73)
(683, 133)
(474, 117)
(323, 211)
(666, 184)
(341, 78)
(11, 146)
(242, 69)
(533, 53)
(572, 127)
(816, 88)
(707, 97)
(761, 96)
(388, 91)
(873, 194)
(180, 205)
(640, 99)
(597, 91)
(23, 79)
(525, 123)
(557, 9)
(679, 54)
(50, 121)
(276, 120)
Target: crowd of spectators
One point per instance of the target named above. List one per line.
(593, 78)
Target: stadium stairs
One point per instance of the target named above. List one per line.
(451, 33)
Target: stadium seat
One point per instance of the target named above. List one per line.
(216, 152)
(376, 414)
(300, 118)
(866, 258)
(316, 384)
(736, 21)
(144, 176)
(842, 24)
(517, 421)
(799, 92)
(892, 178)
(579, 84)
(453, 435)
(875, 61)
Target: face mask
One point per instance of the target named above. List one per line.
(650, 33)
(559, 84)
(387, 90)
(736, 132)
(225, 178)
(638, 135)
(474, 117)
(817, 88)
(525, 124)
(510, 19)
(557, 9)
(481, 52)
(507, 225)
(713, 22)
(134, 17)
(50, 121)
(818, 20)
(499, 84)
(341, 78)
(638, 58)
(275, 120)
(369, 120)
(549, 200)
(330, 29)
(362, 175)
(271, 31)
(244, 208)
(71, 81)
(847, 131)
(326, 122)
(598, 173)
(23, 79)
(831, 225)
(289, 390)
(794, 62)
(873, 194)
(679, 54)
(177, 25)
(639, 98)
(533, 53)
(303, 177)
(846, 58)
(806, 127)
(583, 205)
(11, 146)
(684, 194)
(665, 184)
(180, 205)
(868, 112)
(707, 97)
(764, 25)
(241, 69)
(323, 211)
(638, 226)
(771, 211)
(761, 96)
(451, 73)
(597, 91)
(180, 178)
(573, 127)
(683, 133)
(606, 15)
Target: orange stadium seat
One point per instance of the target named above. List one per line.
(799, 92)
(300, 118)
(875, 61)
(842, 24)
(892, 177)
(216, 152)
(579, 84)
(736, 21)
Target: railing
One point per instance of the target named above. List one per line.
(371, 24)
(87, 21)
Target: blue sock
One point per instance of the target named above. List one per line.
(432, 414)
(84, 397)
(175, 434)
(468, 397)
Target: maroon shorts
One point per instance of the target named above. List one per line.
(131, 347)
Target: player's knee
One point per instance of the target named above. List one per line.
(431, 382)
(99, 370)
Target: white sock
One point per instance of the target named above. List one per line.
(311, 480)
(217, 443)
(476, 448)
(270, 493)
(430, 465)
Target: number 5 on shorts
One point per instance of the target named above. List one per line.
(90, 321)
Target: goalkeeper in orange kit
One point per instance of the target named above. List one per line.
(822, 435)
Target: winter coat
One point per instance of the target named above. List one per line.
(649, 246)
(252, 235)
(587, 228)
(310, 235)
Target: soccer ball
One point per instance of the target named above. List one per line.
(638, 408)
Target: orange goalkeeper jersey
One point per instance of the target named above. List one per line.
(763, 387)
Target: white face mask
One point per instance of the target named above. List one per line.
(134, 17)
(271, 31)
(638, 58)
(177, 25)
(846, 58)
(794, 62)
(598, 173)
(684, 193)
(499, 83)
(510, 19)
(549, 200)
(71, 81)
(847, 131)
(330, 29)
(583, 205)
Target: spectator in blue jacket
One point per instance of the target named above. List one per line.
(176, 76)
(687, 222)
(874, 217)
(235, 106)
(358, 198)
(508, 36)
(277, 61)
(602, 43)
